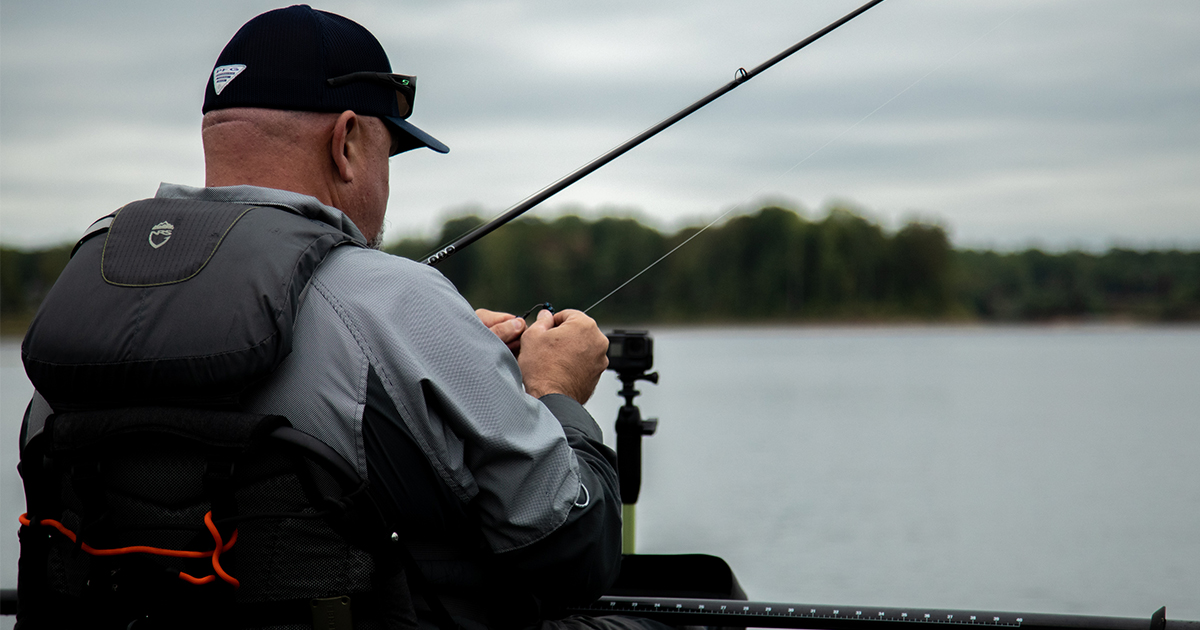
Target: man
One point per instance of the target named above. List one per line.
(474, 441)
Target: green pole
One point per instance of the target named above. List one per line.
(628, 527)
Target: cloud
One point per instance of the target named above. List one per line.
(1062, 122)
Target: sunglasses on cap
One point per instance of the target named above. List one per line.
(405, 86)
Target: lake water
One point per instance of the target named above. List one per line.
(1033, 469)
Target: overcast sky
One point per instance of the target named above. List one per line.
(1059, 123)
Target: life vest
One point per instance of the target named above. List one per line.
(182, 302)
(152, 499)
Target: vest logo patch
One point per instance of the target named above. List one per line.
(160, 234)
(222, 75)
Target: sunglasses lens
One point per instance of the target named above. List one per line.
(404, 103)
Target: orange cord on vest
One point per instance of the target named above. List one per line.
(215, 554)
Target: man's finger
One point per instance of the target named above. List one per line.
(509, 331)
(545, 320)
(571, 315)
(491, 318)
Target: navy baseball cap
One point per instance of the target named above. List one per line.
(302, 59)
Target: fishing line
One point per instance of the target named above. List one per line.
(808, 157)
(538, 307)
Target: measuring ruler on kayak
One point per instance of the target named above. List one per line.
(733, 613)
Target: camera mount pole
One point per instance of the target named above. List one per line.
(631, 354)
(630, 429)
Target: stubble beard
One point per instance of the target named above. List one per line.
(377, 241)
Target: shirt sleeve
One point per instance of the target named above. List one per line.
(526, 471)
(578, 561)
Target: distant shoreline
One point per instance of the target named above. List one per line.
(773, 267)
(1078, 324)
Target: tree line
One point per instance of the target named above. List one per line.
(778, 266)
(774, 265)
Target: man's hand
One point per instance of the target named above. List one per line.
(508, 327)
(563, 353)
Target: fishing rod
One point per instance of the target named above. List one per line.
(740, 77)
(737, 613)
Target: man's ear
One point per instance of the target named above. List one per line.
(345, 146)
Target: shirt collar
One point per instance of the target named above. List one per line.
(303, 205)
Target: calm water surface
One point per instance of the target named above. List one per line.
(1027, 469)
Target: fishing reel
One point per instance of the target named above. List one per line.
(630, 355)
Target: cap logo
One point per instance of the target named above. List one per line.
(222, 75)
(160, 234)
